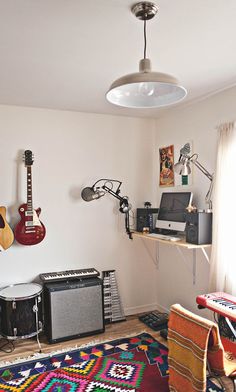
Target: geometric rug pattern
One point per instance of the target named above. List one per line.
(129, 364)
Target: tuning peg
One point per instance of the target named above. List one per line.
(28, 157)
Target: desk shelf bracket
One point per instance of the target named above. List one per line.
(194, 265)
(187, 262)
(155, 258)
(205, 254)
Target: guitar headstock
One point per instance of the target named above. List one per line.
(28, 158)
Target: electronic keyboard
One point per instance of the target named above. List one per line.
(69, 275)
(222, 303)
(164, 237)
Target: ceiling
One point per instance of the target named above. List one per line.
(64, 54)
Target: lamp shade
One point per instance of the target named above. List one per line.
(182, 168)
(145, 89)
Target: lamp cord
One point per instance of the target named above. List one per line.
(145, 39)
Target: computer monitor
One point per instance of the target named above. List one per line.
(172, 211)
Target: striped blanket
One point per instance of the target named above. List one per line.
(193, 341)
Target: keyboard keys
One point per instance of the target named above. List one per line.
(227, 308)
(69, 274)
(222, 303)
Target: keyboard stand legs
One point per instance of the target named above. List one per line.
(230, 326)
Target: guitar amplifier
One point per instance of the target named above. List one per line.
(73, 309)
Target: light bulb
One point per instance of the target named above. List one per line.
(146, 89)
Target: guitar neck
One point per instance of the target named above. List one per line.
(29, 190)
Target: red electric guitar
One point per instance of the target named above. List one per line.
(29, 230)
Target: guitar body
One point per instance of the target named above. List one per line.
(6, 233)
(29, 230)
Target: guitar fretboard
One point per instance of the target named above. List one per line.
(29, 190)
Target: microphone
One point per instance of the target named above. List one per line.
(89, 194)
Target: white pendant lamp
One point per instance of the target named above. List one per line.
(145, 89)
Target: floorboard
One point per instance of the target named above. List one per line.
(28, 347)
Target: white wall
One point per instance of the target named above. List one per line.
(198, 123)
(73, 150)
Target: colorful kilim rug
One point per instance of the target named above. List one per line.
(129, 364)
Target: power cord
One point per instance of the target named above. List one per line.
(4, 343)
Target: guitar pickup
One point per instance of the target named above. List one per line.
(29, 213)
(29, 223)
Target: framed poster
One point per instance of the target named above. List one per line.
(166, 158)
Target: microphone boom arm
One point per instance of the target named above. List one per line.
(123, 200)
(108, 181)
(115, 194)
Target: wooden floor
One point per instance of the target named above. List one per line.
(28, 347)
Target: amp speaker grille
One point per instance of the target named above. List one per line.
(73, 310)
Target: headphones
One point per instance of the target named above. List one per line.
(124, 205)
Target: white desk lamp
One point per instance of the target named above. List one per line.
(182, 167)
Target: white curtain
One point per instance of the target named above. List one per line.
(223, 255)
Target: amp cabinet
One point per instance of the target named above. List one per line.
(73, 309)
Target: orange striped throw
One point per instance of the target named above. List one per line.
(188, 338)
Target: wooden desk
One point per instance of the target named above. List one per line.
(178, 245)
(181, 243)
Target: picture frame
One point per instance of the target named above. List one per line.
(166, 164)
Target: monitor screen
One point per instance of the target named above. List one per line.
(172, 210)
